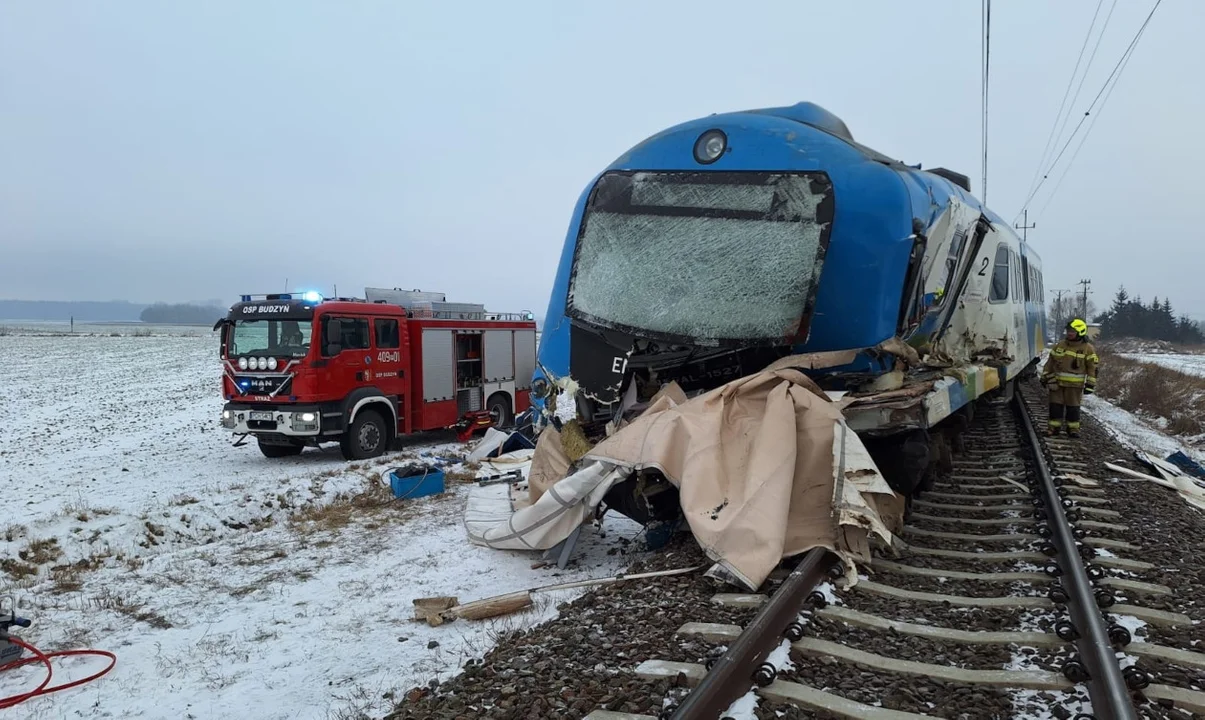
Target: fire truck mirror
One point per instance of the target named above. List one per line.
(332, 335)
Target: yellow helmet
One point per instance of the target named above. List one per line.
(1079, 326)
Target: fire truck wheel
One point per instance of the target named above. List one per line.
(499, 409)
(279, 451)
(366, 438)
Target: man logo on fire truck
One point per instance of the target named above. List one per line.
(299, 370)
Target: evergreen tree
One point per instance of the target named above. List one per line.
(1128, 317)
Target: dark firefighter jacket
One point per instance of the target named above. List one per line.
(1072, 364)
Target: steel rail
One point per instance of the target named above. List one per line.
(732, 675)
(1106, 686)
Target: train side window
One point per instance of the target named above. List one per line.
(387, 333)
(1016, 264)
(1000, 276)
(1027, 276)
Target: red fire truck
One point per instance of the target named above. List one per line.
(300, 369)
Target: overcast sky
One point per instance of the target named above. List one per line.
(183, 151)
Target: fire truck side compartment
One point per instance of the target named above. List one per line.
(438, 365)
(525, 358)
(499, 355)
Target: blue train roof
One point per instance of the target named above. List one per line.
(818, 118)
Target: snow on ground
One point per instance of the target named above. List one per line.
(228, 584)
(1134, 432)
(1187, 364)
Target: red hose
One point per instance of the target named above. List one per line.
(44, 658)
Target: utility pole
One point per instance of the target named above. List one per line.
(1084, 301)
(1025, 227)
(1058, 307)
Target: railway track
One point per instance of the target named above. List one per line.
(1020, 593)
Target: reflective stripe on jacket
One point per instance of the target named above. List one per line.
(1072, 364)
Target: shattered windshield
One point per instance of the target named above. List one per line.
(704, 256)
(290, 338)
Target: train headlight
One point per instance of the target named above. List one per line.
(710, 146)
(271, 363)
(539, 388)
(242, 363)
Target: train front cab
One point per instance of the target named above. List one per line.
(636, 232)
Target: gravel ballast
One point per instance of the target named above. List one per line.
(583, 660)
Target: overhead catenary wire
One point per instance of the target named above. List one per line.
(986, 55)
(1087, 113)
(1084, 138)
(1087, 67)
(1037, 171)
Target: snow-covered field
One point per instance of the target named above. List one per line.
(229, 585)
(1187, 364)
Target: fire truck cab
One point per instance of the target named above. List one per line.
(300, 370)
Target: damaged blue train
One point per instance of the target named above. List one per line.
(722, 244)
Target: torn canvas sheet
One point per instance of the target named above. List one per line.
(756, 462)
(492, 441)
(547, 521)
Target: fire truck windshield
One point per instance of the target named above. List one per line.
(290, 338)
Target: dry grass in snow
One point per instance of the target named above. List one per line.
(1169, 399)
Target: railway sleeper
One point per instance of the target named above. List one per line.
(780, 691)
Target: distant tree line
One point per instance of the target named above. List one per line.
(62, 311)
(1128, 317)
(181, 314)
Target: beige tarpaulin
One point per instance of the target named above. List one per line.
(764, 467)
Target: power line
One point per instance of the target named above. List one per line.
(1087, 67)
(1084, 139)
(1129, 50)
(1066, 93)
(986, 10)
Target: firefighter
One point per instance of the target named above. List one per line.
(1069, 374)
